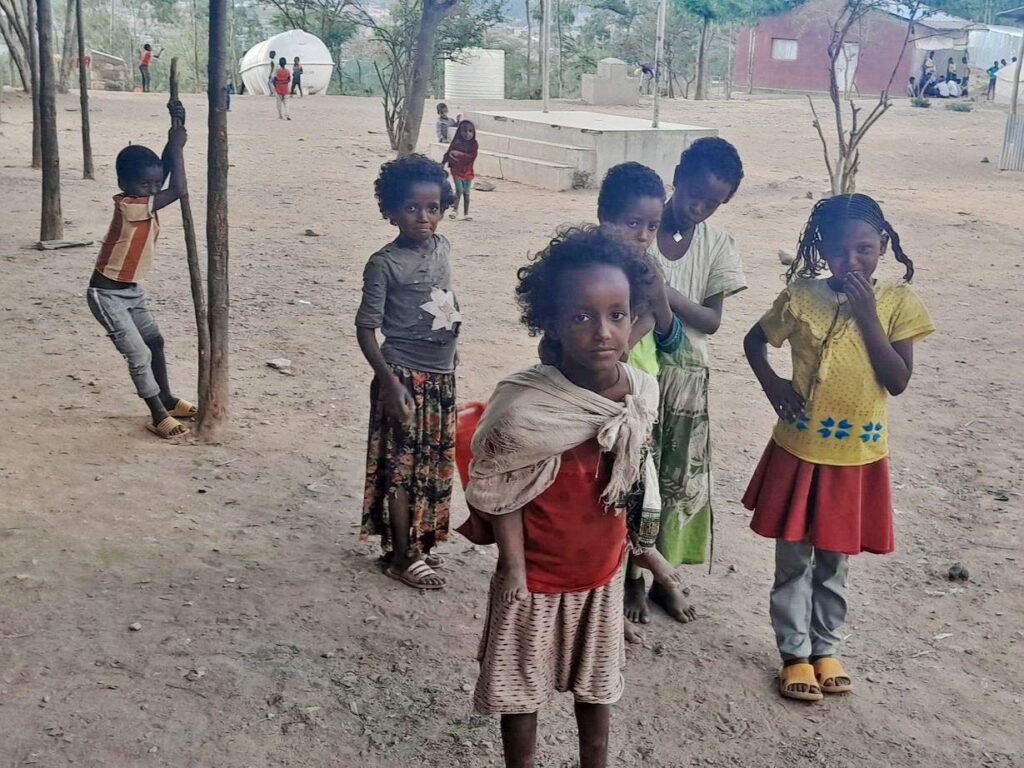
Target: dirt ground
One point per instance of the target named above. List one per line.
(268, 636)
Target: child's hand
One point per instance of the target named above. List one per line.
(398, 403)
(861, 295)
(177, 110)
(513, 585)
(786, 401)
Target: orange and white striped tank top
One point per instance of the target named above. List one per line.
(127, 251)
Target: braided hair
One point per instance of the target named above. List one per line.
(829, 214)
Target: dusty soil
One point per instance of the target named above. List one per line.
(268, 636)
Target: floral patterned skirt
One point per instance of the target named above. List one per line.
(684, 468)
(417, 457)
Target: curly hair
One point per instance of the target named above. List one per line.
(397, 176)
(623, 184)
(539, 292)
(826, 216)
(133, 160)
(710, 155)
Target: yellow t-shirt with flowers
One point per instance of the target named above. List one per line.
(845, 420)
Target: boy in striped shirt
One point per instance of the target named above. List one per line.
(115, 296)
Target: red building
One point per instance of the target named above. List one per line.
(789, 52)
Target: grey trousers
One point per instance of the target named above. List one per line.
(126, 317)
(808, 602)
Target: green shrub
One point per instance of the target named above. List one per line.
(960, 106)
(920, 103)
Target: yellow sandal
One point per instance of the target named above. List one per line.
(168, 428)
(183, 409)
(799, 674)
(830, 668)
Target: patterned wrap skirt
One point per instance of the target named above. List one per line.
(417, 457)
(546, 644)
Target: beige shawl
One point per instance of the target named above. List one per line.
(536, 415)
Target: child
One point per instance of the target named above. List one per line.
(460, 157)
(701, 263)
(557, 456)
(822, 488)
(229, 91)
(115, 297)
(297, 77)
(144, 62)
(411, 449)
(273, 70)
(281, 80)
(444, 122)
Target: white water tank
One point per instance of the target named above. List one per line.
(479, 73)
(317, 65)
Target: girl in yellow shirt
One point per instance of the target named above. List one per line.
(822, 488)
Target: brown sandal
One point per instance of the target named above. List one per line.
(168, 428)
(829, 668)
(799, 674)
(414, 575)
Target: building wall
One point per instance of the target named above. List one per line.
(879, 35)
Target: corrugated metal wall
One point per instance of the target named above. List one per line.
(1012, 158)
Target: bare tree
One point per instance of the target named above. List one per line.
(67, 47)
(14, 31)
(433, 14)
(33, 65)
(83, 95)
(51, 224)
(213, 409)
(842, 169)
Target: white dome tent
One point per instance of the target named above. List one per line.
(317, 66)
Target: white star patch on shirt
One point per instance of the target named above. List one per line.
(442, 307)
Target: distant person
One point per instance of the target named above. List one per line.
(928, 68)
(1002, 62)
(282, 80)
(460, 157)
(444, 122)
(912, 87)
(963, 73)
(951, 69)
(115, 297)
(144, 61)
(955, 91)
(273, 69)
(297, 76)
(229, 89)
(942, 89)
(992, 72)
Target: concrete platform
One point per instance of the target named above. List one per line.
(588, 142)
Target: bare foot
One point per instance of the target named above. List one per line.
(674, 602)
(634, 604)
(513, 585)
(663, 571)
(631, 633)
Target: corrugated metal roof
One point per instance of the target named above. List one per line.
(925, 16)
(1014, 13)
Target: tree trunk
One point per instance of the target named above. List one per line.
(12, 39)
(51, 225)
(67, 58)
(700, 92)
(195, 47)
(529, 45)
(558, 23)
(33, 65)
(83, 95)
(434, 12)
(750, 58)
(194, 271)
(213, 410)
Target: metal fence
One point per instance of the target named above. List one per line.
(1012, 158)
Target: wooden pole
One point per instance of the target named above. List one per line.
(33, 66)
(51, 224)
(213, 411)
(545, 60)
(195, 274)
(659, 45)
(750, 57)
(83, 97)
(195, 47)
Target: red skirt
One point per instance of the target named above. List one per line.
(839, 509)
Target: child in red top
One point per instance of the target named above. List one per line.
(460, 157)
(560, 454)
(282, 84)
(144, 62)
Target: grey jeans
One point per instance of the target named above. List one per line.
(126, 317)
(808, 603)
